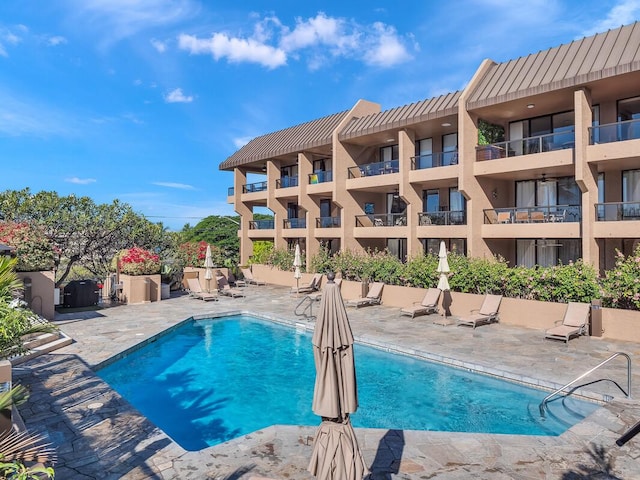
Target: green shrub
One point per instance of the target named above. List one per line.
(321, 262)
(261, 252)
(621, 285)
(421, 271)
(282, 258)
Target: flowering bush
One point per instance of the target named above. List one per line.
(34, 250)
(136, 261)
(621, 285)
(192, 254)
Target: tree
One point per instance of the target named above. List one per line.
(216, 230)
(489, 133)
(83, 232)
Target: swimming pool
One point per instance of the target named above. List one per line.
(213, 380)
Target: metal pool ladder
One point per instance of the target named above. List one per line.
(309, 301)
(544, 402)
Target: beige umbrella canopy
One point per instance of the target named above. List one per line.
(443, 268)
(297, 263)
(336, 454)
(208, 264)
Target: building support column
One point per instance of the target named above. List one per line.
(410, 195)
(246, 215)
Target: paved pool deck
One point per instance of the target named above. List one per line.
(98, 435)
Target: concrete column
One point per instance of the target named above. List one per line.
(275, 205)
(409, 193)
(309, 204)
(246, 215)
(586, 175)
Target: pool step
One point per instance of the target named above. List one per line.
(41, 344)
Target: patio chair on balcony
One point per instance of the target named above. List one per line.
(487, 313)
(504, 217)
(522, 216)
(428, 305)
(574, 323)
(558, 216)
(537, 217)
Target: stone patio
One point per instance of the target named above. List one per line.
(98, 435)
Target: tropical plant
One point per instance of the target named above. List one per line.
(136, 261)
(20, 448)
(10, 284)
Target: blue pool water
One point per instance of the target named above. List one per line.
(210, 381)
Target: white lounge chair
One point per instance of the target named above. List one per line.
(487, 313)
(574, 323)
(248, 277)
(428, 305)
(225, 289)
(312, 286)
(195, 291)
(374, 297)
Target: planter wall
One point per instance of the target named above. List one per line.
(41, 292)
(199, 273)
(140, 288)
(617, 324)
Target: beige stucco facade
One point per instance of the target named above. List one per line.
(393, 178)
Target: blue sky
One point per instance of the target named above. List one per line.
(141, 100)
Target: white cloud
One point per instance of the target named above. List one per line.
(315, 40)
(625, 12)
(159, 45)
(80, 181)
(7, 38)
(240, 142)
(56, 40)
(387, 50)
(29, 117)
(181, 186)
(115, 20)
(235, 50)
(176, 96)
(137, 82)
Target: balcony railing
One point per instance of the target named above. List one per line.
(295, 223)
(615, 132)
(382, 220)
(286, 182)
(254, 187)
(327, 222)
(320, 177)
(540, 214)
(261, 224)
(432, 160)
(230, 191)
(617, 211)
(372, 169)
(453, 217)
(526, 146)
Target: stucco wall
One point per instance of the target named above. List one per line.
(42, 288)
(140, 288)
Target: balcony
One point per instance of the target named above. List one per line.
(286, 182)
(540, 214)
(261, 225)
(295, 223)
(254, 187)
(327, 222)
(320, 177)
(527, 146)
(374, 169)
(615, 132)
(432, 160)
(617, 211)
(454, 217)
(382, 220)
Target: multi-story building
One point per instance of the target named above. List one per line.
(563, 183)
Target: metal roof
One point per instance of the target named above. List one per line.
(398, 117)
(592, 58)
(290, 140)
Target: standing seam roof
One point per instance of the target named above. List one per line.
(417, 112)
(289, 140)
(592, 58)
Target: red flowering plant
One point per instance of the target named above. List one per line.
(136, 261)
(33, 249)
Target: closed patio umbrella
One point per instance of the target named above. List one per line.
(297, 263)
(208, 264)
(443, 268)
(336, 454)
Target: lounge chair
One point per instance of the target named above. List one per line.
(248, 277)
(374, 297)
(225, 289)
(574, 323)
(195, 291)
(487, 313)
(428, 305)
(316, 296)
(312, 286)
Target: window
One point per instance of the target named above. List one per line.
(431, 201)
(631, 186)
(450, 149)
(453, 245)
(389, 153)
(424, 153)
(547, 252)
(398, 248)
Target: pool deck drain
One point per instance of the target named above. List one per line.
(113, 440)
